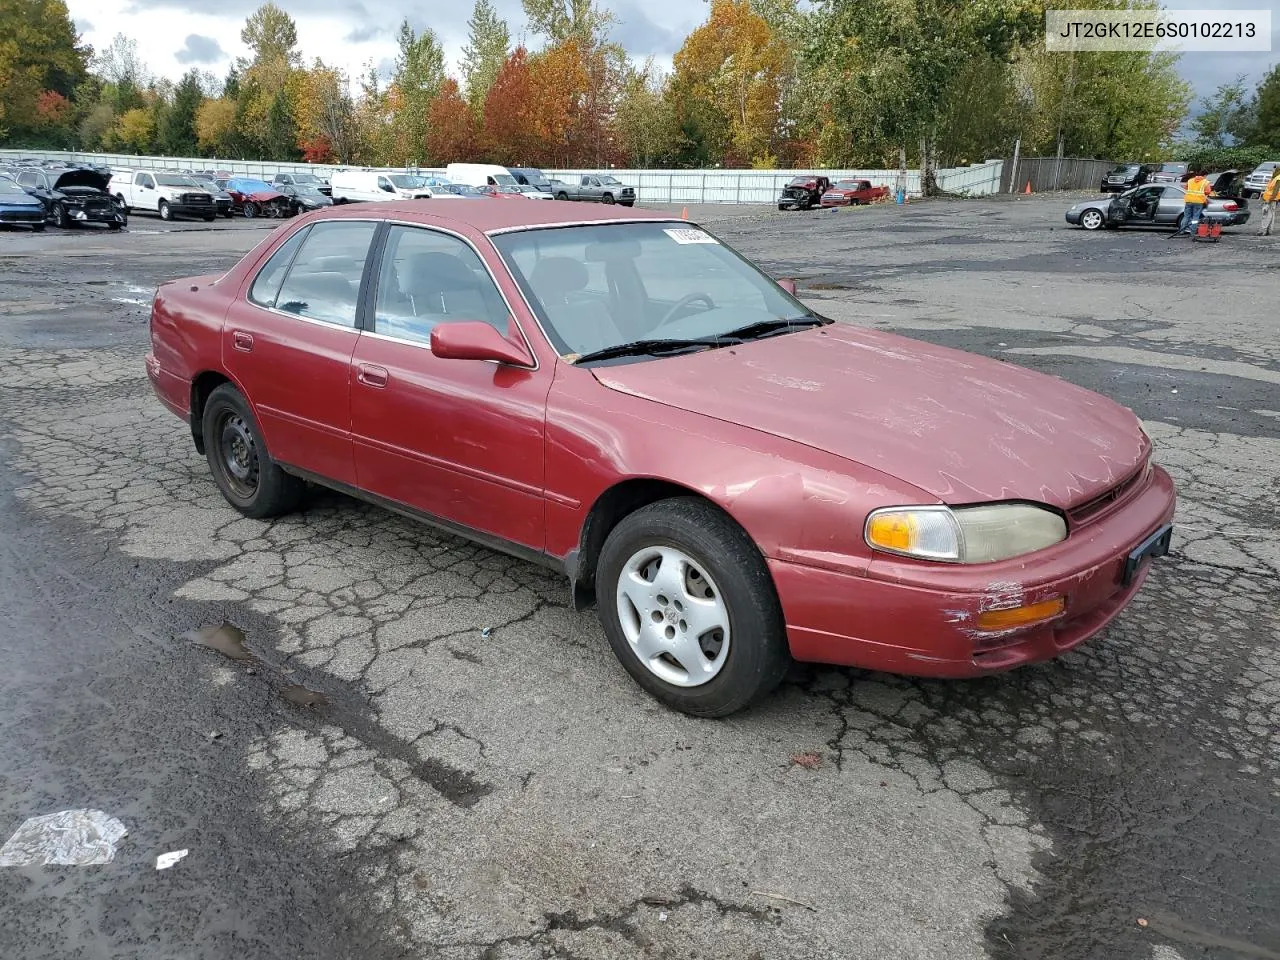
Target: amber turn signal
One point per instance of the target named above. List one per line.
(1021, 616)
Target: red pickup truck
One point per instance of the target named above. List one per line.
(851, 193)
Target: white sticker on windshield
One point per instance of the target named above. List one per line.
(689, 235)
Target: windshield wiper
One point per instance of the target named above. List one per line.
(774, 325)
(656, 348)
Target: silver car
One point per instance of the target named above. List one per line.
(1159, 205)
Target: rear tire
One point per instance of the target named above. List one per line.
(562, 196)
(238, 458)
(714, 578)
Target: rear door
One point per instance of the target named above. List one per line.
(1172, 203)
(288, 342)
(460, 440)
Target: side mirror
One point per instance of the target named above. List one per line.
(789, 285)
(474, 340)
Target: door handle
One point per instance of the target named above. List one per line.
(242, 341)
(372, 376)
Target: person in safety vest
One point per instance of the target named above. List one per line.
(1270, 195)
(1196, 197)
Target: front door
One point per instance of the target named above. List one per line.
(289, 342)
(460, 440)
(144, 192)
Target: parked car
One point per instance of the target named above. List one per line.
(803, 193)
(251, 197)
(532, 177)
(1257, 181)
(305, 197)
(503, 191)
(167, 194)
(1125, 176)
(74, 196)
(465, 191)
(852, 193)
(19, 208)
(623, 398)
(356, 186)
(1173, 172)
(1153, 204)
(221, 199)
(302, 180)
(599, 187)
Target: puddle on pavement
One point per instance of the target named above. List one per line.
(227, 639)
(303, 697)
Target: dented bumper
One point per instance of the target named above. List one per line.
(922, 618)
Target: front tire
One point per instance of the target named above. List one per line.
(60, 218)
(607, 199)
(242, 468)
(250, 210)
(1092, 219)
(165, 212)
(689, 609)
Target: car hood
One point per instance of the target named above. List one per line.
(82, 178)
(263, 196)
(961, 427)
(19, 200)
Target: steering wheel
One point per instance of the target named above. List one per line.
(683, 302)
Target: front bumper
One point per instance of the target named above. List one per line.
(192, 209)
(22, 215)
(96, 215)
(920, 619)
(1073, 216)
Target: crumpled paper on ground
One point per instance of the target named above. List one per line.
(76, 838)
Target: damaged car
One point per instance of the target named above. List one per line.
(251, 198)
(74, 196)
(732, 480)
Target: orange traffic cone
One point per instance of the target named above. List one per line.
(1028, 188)
(684, 213)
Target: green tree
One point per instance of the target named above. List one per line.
(1226, 116)
(178, 130)
(485, 53)
(95, 125)
(419, 72)
(272, 35)
(1266, 126)
(887, 65)
(560, 20)
(645, 123)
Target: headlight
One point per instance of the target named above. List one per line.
(982, 534)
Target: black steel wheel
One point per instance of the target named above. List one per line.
(238, 458)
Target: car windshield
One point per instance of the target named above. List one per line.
(301, 178)
(504, 178)
(407, 181)
(801, 181)
(529, 188)
(849, 184)
(461, 189)
(252, 186)
(10, 187)
(306, 190)
(1173, 168)
(507, 188)
(610, 180)
(173, 180)
(601, 286)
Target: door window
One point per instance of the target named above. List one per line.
(323, 281)
(266, 286)
(27, 179)
(429, 278)
(385, 184)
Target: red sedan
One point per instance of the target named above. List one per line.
(734, 480)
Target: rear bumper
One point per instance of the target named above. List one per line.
(920, 619)
(174, 392)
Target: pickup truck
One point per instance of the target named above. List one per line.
(596, 186)
(852, 193)
(168, 194)
(803, 192)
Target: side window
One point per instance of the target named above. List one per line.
(384, 184)
(266, 286)
(428, 278)
(323, 281)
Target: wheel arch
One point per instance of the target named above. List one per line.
(202, 385)
(609, 509)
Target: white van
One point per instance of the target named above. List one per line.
(353, 186)
(480, 175)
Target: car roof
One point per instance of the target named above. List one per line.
(497, 215)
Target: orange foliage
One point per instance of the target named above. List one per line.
(511, 120)
(559, 82)
(52, 108)
(317, 150)
(451, 126)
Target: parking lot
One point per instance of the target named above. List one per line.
(419, 750)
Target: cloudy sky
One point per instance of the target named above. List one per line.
(175, 35)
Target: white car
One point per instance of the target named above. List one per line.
(167, 194)
(355, 186)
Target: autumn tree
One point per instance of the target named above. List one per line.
(40, 52)
(485, 52)
(215, 125)
(133, 131)
(727, 77)
(451, 126)
(323, 111)
(644, 125)
(510, 113)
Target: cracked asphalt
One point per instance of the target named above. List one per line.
(419, 750)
